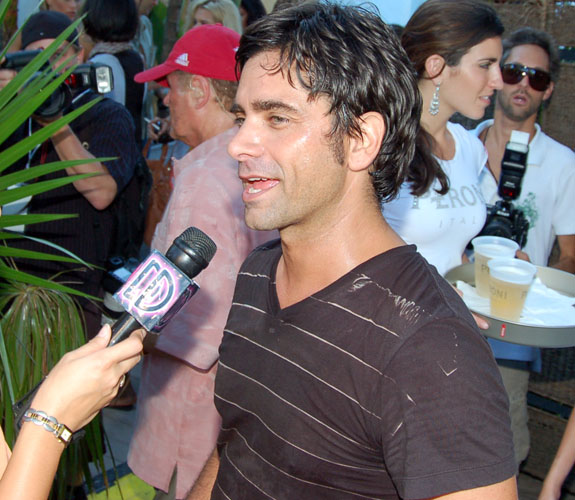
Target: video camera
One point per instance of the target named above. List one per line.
(503, 218)
(95, 76)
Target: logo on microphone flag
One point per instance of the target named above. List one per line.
(155, 291)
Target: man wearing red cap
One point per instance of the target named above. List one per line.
(177, 423)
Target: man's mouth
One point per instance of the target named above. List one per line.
(520, 99)
(255, 185)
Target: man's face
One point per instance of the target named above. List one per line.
(61, 56)
(182, 112)
(68, 7)
(520, 101)
(290, 173)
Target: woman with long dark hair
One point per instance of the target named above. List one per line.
(455, 47)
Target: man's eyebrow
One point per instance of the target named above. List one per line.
(267, 105)
(271, 104)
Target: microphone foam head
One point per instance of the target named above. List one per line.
(200, 241)
(192, 251)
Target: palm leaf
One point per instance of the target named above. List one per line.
(30, 254)
(51, 245)
(27, 219)
(39, 319)
(9, 273)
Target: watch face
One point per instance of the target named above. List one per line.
(65, 434)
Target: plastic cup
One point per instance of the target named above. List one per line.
(487, 248)
(509, 282)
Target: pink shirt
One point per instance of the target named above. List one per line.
(177, 420)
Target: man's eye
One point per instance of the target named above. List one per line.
(239, 120)
(278, 120)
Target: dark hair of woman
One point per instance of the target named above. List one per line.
(254, 9)
(449, 28)
(110, 20)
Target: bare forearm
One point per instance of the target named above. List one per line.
(202, 489)
(99, 190)
(566, 260)
(566, 263)
(562, 463)
(33, 464)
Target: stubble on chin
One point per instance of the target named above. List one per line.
(506, 105)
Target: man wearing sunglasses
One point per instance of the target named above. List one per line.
(530, 68)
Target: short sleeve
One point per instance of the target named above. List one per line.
(446, 423)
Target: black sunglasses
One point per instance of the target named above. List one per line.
(514, 73)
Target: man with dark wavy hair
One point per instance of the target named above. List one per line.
(349, 368)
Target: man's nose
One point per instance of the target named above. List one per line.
(246, 143)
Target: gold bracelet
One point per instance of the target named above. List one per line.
(61, 431)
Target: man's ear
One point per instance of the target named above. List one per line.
(363, 150)
(201, 90)
(548, 92)
(434, 65)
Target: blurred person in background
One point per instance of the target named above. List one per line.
(455, 48)
(67, 7)
(530, 70)
(199, 12)
(143, 42)
(109, 28)
(106, 130)
(195, 13)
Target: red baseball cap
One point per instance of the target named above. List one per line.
(208, 50)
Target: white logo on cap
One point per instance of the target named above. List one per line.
(182, 59)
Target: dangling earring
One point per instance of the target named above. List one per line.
(434, 104)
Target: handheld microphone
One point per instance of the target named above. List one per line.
(161, 285)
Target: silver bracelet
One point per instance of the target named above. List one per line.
(38, 417)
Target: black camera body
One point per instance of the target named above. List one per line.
(507, 221)
(94, 76)
(503, 218)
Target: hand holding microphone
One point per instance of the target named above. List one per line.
(161, 285)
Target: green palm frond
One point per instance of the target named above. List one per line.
(40, 319)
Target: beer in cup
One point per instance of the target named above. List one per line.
(487, 248)
(509, 282)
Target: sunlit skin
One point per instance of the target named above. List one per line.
(314, 188)
(469, 87)
(203, 16)
(179, 100)
(287, 165)
(68, 7)
(520, 101)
